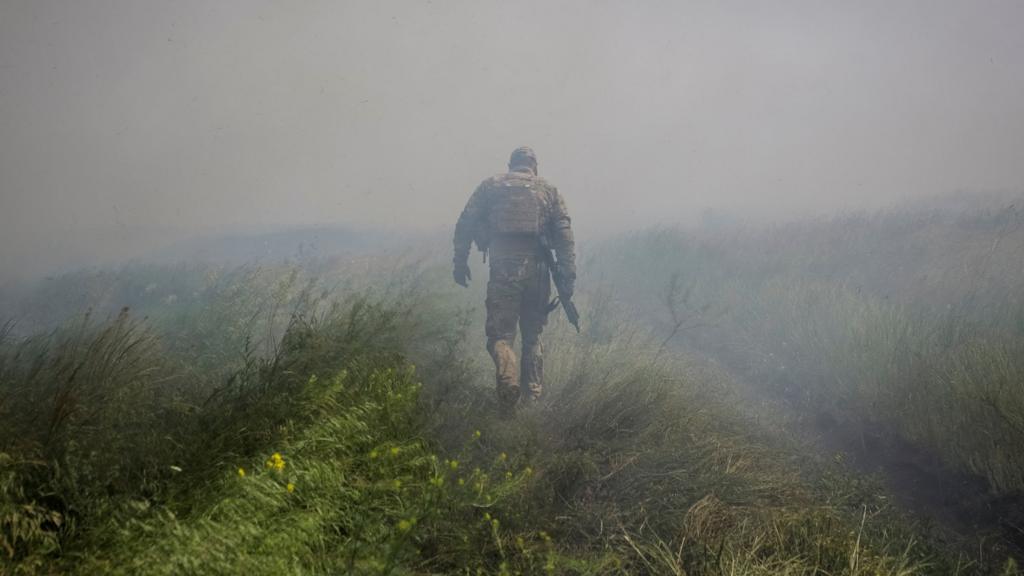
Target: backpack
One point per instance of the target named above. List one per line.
(515, 207)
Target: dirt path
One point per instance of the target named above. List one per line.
(959, 505)
(922, 484)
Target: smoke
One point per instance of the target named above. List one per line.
(126, 125)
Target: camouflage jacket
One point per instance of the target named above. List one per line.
(475, 226)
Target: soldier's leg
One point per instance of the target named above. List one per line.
(503, 302)
(532, 319)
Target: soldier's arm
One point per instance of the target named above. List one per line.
(467, 227)
(560, 236)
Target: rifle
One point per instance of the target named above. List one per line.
(560, 286)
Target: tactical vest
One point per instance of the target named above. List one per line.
(515, 207)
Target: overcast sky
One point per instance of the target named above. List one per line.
(128, 123)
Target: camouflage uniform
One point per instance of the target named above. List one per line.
(505, 217)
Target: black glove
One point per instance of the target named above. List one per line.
(461, 274)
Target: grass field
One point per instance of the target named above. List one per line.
(912, 323)
(338, 417)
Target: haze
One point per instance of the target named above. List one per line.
(127, 125)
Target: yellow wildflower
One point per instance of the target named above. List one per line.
(395, 450)
(476, 434)
(290, 487)
(241, 472)
(404, 526)
(276, 462)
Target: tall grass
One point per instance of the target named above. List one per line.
(635, 463)
(907, 324)
(99, 415)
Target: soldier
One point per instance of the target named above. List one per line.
(507, 216)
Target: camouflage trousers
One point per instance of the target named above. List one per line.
(517, 294)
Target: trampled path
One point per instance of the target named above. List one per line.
(959, 505)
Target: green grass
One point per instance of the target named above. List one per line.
(631, 466)
(367, 496)
(904, 324)
(122, 435)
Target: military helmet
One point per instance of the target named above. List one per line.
(522, 155)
